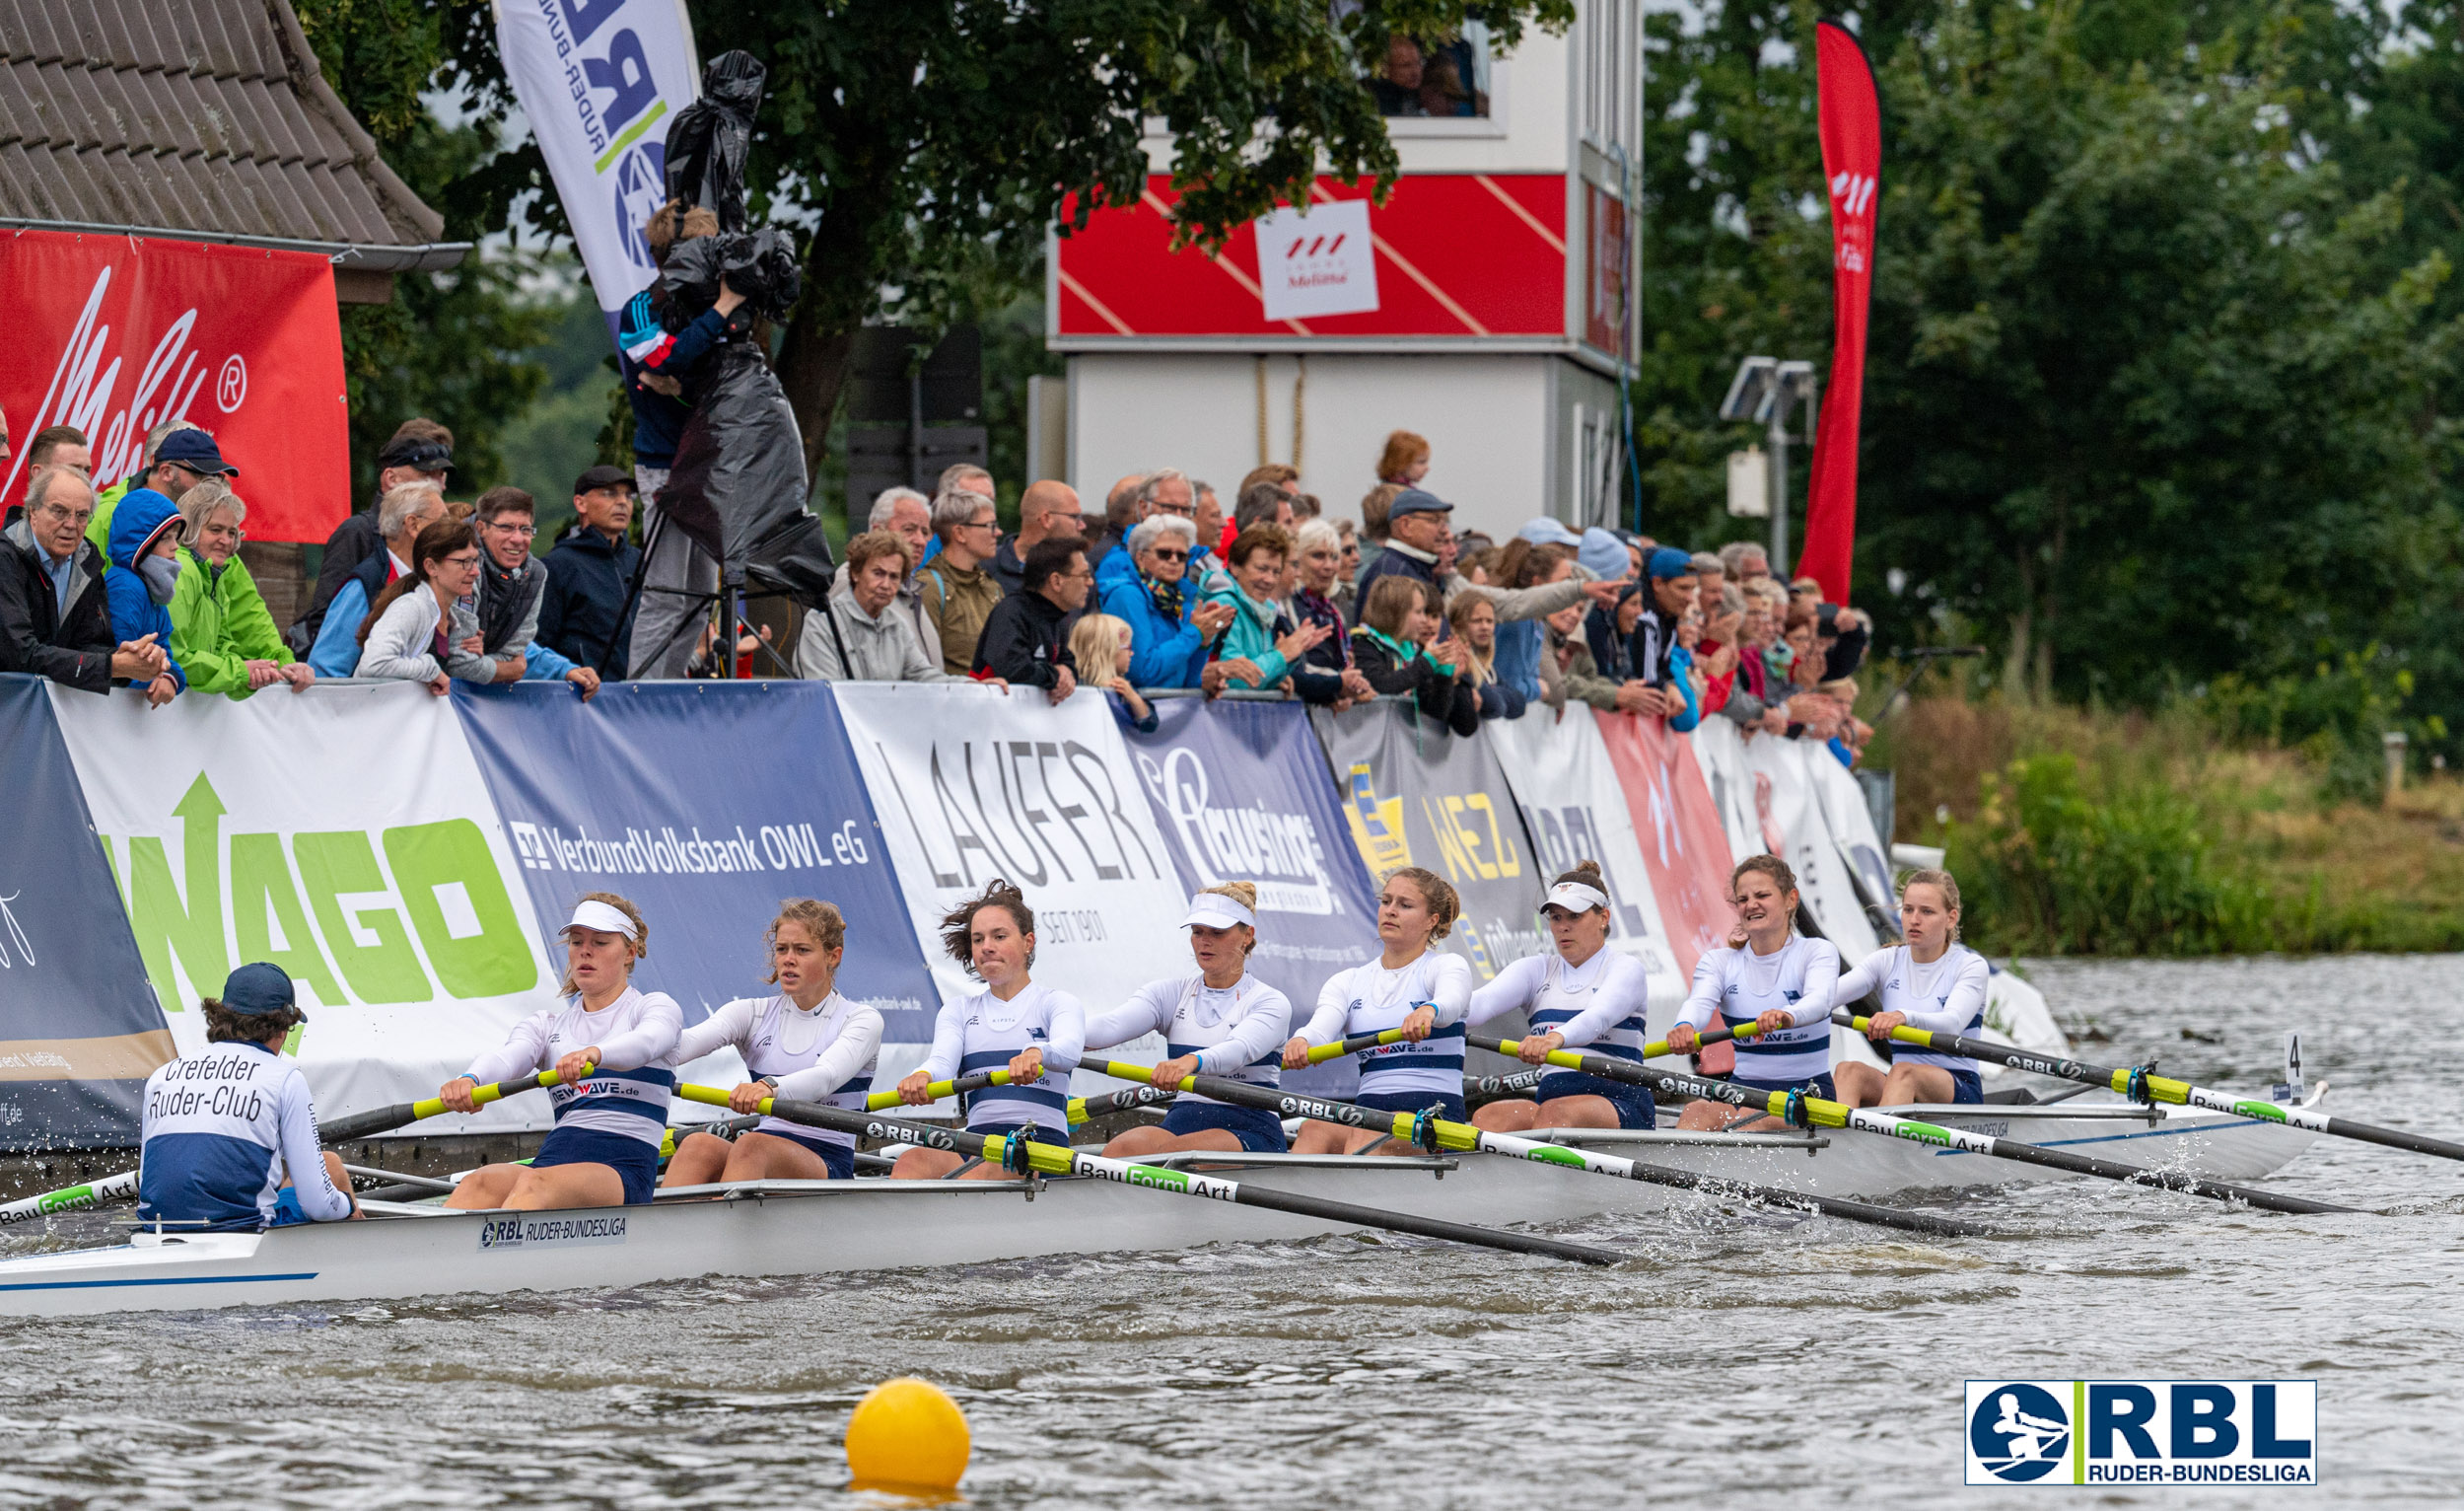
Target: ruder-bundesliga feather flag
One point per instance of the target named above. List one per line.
(1851, 163)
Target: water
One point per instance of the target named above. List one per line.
(1813, 1365)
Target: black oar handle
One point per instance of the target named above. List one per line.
(1123, 1101)
(1495, 1085)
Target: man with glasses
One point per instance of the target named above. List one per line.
(54, 620)
(421, 451)
(959, 594)
(512, 582)
(1026, 640)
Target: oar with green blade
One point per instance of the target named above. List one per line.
(1821, 1112)
(1029, 1155)
(1444, 1133)
(2139, 1084)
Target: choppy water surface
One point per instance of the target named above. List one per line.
(1810, 1365)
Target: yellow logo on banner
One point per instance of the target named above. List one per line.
(1377, 824)
(1470, 837)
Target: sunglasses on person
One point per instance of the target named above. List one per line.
(1166, 553)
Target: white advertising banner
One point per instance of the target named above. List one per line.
(342, 834)
(1317, 260)
(600, 80)
(1861, 851)
(970, 784)
(1719, 751)
(1785, 799)
(1575, 810)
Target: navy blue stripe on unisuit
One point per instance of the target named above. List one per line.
(1391, 1062)
(991, 1059)
(645, 1076)
(993, 1096)
(1271, 1059)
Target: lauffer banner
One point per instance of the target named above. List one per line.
(115, 334)
(1852, 161)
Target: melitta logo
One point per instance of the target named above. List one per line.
(2141, 1432)
(83, 384)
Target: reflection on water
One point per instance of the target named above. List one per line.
(1790, 1364)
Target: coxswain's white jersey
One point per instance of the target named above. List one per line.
(629, 1091)
(221, 1131)
(1944, 998)
(1599, 1005)
(1236, 1032)
(824, 1055)
(1370, 999)
(980, 1032)
(1739, 986)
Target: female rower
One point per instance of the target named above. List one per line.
(1011, 1025)
(1587, 996)
(604, 1148)
(1778, 980)
(1217, 1020)
(1409, 986)
(1932, 983)
(806, 1042)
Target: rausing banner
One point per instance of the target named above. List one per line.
(705, 804)
(345, 835)
(1684, 847)
(599, 81)
(972, 784)
(115, 334)
(1575, 811)
(79, 1027)
(1416, 795)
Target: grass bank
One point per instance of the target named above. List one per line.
(2084, 832)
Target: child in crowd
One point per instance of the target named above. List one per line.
(1100, 645)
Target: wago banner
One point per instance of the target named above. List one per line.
(707, 803)
(79, 1027)
(343, 835)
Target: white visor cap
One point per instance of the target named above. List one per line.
(1574, 897)
(591, 913)
(1218, 911)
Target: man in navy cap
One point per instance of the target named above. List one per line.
(186, 456)
(1417, 531)
(230, 1134)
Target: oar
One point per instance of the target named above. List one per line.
(1463, 1135)
(2137, 1084)
(1651, 1051)
(72, 1199)
(1821, 1112)
(881, 1100)
(1062, 1160)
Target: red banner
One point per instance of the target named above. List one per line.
(115, 334)
(1684, 847)
(1852, 161)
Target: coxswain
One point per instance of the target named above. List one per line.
(805, 1043)
(1034, 1032)
(1586, 996)
(612, 1047)
(1217, 1019)
(1423, 991)
(230, 1134)
(1778, 980)
(1933, 982)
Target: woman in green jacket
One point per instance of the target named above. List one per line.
(221, 633)
(1257, 561)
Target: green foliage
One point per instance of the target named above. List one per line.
(2335, 714)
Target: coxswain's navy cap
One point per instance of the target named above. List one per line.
(258, 987)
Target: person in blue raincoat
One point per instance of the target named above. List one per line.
(145, 568)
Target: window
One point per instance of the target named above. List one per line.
(1599, 454)
(1436, 78)
(1612, 76)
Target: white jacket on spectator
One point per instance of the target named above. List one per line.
(908, 605)
(883, 650)
(402, 641)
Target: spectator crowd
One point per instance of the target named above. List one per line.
(140, 583)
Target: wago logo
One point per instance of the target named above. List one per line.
(2143, 1432)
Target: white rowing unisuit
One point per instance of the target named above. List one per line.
(1368, 998)
(1601, 1004)
(1237, 1031)
(628, 1093)
(980, 1032)
(220, 1129)
(1944, 998)
(824, 1055)
(1740, 986)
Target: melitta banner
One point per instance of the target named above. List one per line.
(115, 334)
(346, 837)
(1416, 795)
(1575, 811)
(682, 797)
(79, 1027)
(974, 784)
(600, 81)
(1684, 847)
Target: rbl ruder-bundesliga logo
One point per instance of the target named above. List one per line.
(2143, 1432)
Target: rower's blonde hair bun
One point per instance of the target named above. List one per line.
(1587, 873)
(1243, 893)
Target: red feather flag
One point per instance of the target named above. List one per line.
(1851, 163)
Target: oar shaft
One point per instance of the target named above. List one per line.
(2159, 1088)
(1823, 1113)
(71, 1198)
(1464, 1136)
(1089, 1109)
(935, 1092)
(386, 1119)
(1062, 1160)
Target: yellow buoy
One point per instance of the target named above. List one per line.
(907, 1432)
